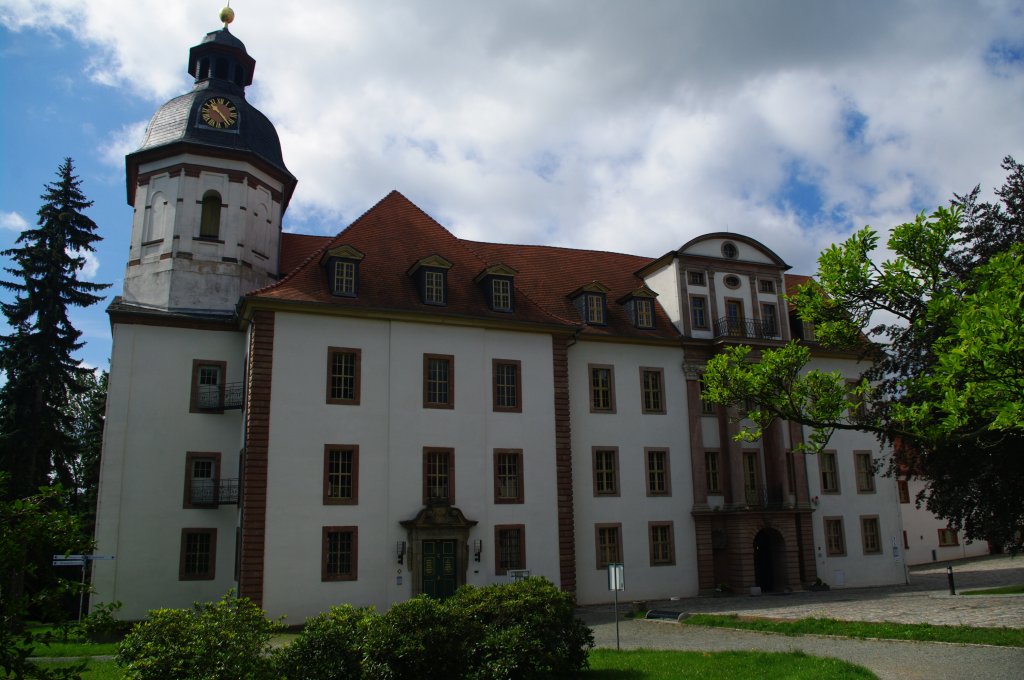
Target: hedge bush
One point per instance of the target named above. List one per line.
(330, 647)
(224, 640)
(524, 630)
(421, 638)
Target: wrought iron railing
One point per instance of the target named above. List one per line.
(221, 397)
(214, 492)
(742, 327)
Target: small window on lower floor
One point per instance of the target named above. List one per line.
(510, 548)
(198, 561)
(661, 543)
(339, 553)
(871, 536)
(947, 538)
(835, 541)
(609, 544)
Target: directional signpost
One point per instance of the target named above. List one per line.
(616, 582)
(78, 561)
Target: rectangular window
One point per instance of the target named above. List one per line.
(602, 389)
(904, 490)
(507, 391)
(947, 538)
(438, 476)
(809, 333)
(207, 386)
(508, 476)
(766, 285)
(501, 295)
(662, 547)
(344, 277)
(438, 381)
(644, 313)
(510, 548)
(609, 544)
(658, 481)
(829, 472)
(865, 472)
(339, 554)
(652, 384)
(595, 308)
(202, 477)
(606, 471)
(711, 472)
(433, 287)
(906, 542)
(699, 311)
(696, 278)
(870, 535)
(835, 542)
(341, 474)
(751, 474)
(343, 375)
(706, 407)
(198, 560)
(769, 320)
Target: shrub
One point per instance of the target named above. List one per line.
(101, 626)
(221, 640)
(420, 638)
(522, 631)
(330, 647)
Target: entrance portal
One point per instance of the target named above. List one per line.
(439, 568)
(769, 561)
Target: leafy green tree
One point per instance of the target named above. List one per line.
(42, 374)
(26, 522)
(944, 364)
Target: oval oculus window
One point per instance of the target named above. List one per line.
(729, 250)
(732, 281)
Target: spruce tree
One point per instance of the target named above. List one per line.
(36, 441)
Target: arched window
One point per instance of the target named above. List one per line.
(209, 223)
(221, 68)
(204, 69)
(158, 219)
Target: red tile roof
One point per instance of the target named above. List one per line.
(395, 234)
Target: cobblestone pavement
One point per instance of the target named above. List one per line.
(925, 599)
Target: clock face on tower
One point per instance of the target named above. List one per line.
(219, 113)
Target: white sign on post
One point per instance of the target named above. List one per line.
(616, 576)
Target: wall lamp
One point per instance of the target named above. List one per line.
(401, 551)
(478, 547)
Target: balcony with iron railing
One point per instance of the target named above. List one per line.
(214, 492)
(220, 397)
(747, 329)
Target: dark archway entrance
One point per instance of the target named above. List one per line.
(438, 553)
(769, 561)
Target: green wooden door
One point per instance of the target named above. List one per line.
(439, 568)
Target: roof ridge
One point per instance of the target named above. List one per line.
(564, 248)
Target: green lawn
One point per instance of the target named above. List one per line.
(608, 664)
(1005, 590)
(1004, 637)
(70, 648)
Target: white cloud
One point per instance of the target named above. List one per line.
(596, 123)
(121, 142)
(12, 221)
(90, 266)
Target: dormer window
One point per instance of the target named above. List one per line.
(431, 275)
(640, 306)
(342, 267)
(497, 285)
(591, 302)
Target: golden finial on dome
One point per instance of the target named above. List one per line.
(227, 15)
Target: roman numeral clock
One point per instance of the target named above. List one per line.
(219, 113)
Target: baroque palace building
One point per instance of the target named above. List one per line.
(394, 410)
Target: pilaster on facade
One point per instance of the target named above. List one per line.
(563, 464)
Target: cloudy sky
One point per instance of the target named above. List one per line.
(630, 126)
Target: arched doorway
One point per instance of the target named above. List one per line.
(769, 561)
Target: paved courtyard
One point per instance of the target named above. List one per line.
(925, 600)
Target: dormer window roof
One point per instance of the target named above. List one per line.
(639, 305)
(497, 284)
(591, 302)
(341, 264)
(431, 276)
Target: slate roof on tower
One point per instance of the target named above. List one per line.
(395, 234)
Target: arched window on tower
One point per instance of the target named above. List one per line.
(204, 69)
(209, 223)
(158, 219)
(221, 68)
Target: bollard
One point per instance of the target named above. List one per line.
(949, 577)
